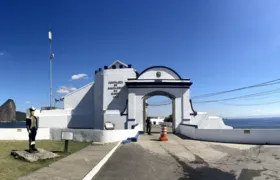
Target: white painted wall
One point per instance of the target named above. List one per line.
(131, 105)
(94, 104)
(186, 105)
(213, 122)
(54, 118)
(65, 118)
(81, 120)
(187, 131)
(196, 120)
(81, 135)
(113, 104)
(121, 76)
(204, 121)
(168, 124)
(256, 136)
(54, 121)
(137, 106)
(165, 74)
(117, 135)
(22, 134)
(89, 135)
(77, 113)
(157, 120)
(114, 117)
(98, 101)
(82, 99)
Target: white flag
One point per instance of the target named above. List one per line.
(50, 34)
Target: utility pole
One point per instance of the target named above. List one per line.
(51, 57)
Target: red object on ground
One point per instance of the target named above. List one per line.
(163, 135)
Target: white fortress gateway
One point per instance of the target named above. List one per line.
(119, 95)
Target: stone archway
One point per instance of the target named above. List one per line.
(159, 93)
(158, 80)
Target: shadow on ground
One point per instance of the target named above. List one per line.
(202, 173)
(205, 172)
(182, 136)
(249, 174)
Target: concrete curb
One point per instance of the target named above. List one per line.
(95, 170)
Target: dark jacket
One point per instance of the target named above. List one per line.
(28, 122)
(149, 122)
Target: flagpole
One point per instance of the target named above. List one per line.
(50, 74)
(51, 56)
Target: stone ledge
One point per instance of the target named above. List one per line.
(33, 157)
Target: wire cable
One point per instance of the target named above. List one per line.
(268, 83)
(273, 102)
(244, 96)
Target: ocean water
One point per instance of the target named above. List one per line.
(12, 125)
(252, 123)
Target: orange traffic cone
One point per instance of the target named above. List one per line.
(163, 135)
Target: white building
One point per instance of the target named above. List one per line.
(118, 95)
(157, 120)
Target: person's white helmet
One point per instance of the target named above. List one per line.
(32, 109)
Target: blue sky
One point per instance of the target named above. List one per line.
(219, 45)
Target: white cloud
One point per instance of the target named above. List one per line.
(1, 53)
(27, 102)
(65, 90)
(257, 111)
(79, 76)
(62, 91)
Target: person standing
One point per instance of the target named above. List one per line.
(149, 125)
(32, 126)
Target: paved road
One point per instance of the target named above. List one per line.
(187, 159)
(133, 162)
(74, 166)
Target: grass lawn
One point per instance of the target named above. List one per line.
(11, 168)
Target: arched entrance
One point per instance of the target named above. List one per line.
(158, 93)
(158, 80)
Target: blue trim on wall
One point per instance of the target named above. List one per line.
(194, 112)
(125, 108)
(133, 126)
(126, 141)
(150, 84)
(135, 138)
(158, 79)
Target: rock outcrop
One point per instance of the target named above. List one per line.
(8, 111)
(20, 116)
